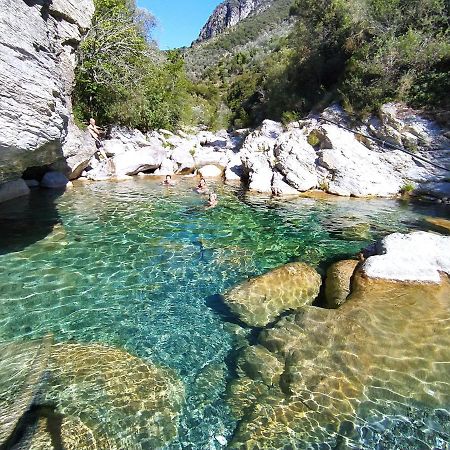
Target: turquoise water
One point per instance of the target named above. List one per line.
(138, 266)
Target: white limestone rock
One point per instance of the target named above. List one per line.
(354, 169)
(211, 171)
(234, 170)
(37, 60)
(419, 256)
(133, 162)
(296, 160)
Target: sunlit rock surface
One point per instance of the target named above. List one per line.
(37, 60)
(337, 283)
(22, 370)
(88, 396)
(259, 301)
(121, 399)
(419, 256)
(439, 223)
(354, 376)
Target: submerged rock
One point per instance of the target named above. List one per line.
(259, 301)
(110, 391)
(440, 224)
(337, 283)
(55, 180)
(22, 370)
(13, 189)
(348, 366)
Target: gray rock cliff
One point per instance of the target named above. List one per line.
(228, 14)
(38, 40)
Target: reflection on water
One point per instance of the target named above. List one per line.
(136, 266)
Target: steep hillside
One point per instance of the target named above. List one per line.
(260, 22)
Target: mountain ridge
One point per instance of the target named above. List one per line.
(228, 14)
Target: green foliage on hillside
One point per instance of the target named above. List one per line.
(121, 77)
(255, 30)
(361, 52)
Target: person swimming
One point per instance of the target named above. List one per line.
(202, 188)
(212, 200)
(168, 181)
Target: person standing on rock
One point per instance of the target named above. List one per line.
(96, 132)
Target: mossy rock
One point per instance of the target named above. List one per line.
(260, 300)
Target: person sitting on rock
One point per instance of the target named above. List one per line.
(168, 181)
(212, 201)
(96, 132)
(202, 188)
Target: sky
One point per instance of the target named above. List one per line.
(179, 21)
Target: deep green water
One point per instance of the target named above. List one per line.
(138, 266)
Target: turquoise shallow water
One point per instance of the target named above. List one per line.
(138, 266)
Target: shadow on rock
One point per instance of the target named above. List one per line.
(26, 220)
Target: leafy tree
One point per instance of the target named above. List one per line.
(122, 77)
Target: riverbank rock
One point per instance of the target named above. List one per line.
(37, 60)
(413, 257)
(259, 301)
(211, 171)
(342, 159)
(337, 283)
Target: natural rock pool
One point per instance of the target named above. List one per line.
(138, 267)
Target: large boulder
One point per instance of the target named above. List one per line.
(211, 171)
(414, 257)
(13, 189)
(54, 180)
(355, 170)
(296, 160)
(37, 60)
(234, 170)
(78, 148)
(259, 301)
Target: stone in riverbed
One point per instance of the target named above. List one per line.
(440, 224)
(350, 365)
(211, 171)
(337, 283)
(109, 391)
(55, 180)
(259, 301)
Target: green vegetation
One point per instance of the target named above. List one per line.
(280, 64)
(360, 52)
(122, 78)
(407, 189)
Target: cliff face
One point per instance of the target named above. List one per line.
(38, 39)
(228, 14)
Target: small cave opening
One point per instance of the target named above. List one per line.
(35, 172)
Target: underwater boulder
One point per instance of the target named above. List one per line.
(439, 224)
(110, 391)
(260, 300)
(347, 368)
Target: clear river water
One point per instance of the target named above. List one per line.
(138, 266)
